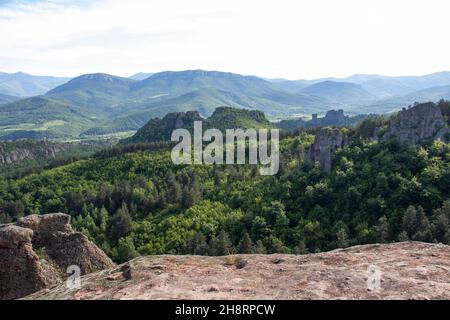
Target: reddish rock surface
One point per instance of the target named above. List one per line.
(409, 270)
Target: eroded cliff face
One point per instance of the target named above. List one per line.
(12, 155)
(409, 270)
(325, 145)
(36, 252)
(423, 122)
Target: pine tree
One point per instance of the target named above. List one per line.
(342, 238)
(246, 244)
(175, 190)
(103, 218)
(197, 245)
(225, 247)
(213, 245)
(120, 224)
(192, 194)
(416, 224)
(126, 250)
(301, 248)
(403, 236)
(281, 225)
(441, 223)
(259, 248)
(382, 230)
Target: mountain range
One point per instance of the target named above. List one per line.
(378, 85)
(101, 104)
(25, 85)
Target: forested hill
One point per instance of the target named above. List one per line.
(222, 118)
(130, 203)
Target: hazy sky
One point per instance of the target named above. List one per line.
(291, 39)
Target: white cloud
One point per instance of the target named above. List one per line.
(294, 39)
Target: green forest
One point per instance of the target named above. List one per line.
(131, 200)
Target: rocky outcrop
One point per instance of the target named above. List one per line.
(36, 252)
(325, 145)
(331, 118)
(420, 123)
(157, 129)
(335, 116)
(16, 152)
(409, 270)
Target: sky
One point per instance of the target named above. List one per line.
(293, 39)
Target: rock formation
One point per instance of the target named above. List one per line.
(15, 152)
(325, 145)
(36, 251)
(335, 116)
(423, 122)
(409, 270)
(161, 129)
(331, 118)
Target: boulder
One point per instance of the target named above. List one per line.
(45, 226)
(12, 236)
(36, 251)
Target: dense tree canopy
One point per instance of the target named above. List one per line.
(133, 200)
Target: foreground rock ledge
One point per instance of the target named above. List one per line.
(408, 271)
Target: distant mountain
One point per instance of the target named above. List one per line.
(429, 94)
(222, 118)
(141, 76)
(422, 82)
(344, 92)
(378, 85)
(102, 90)
(176, 83)
(93, 90)
(433, 94)
(4, 98)
(41, 117)
(385, 87)
(109, 104)
(413, 82)
(291, 86)
(122, 104)
(25, 85)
